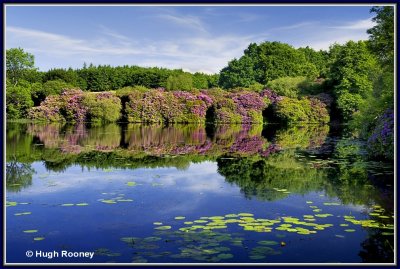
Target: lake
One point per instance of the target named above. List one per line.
(195, 194)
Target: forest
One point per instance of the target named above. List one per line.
(272, 82)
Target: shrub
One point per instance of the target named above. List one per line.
(348, 104)
(290, 111)
(381, 141)
(49, 110)
(102, 107)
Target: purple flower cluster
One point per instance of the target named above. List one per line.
(248, 100)
(75, 110)
(49, 110)
(271, 95)
(381, 141)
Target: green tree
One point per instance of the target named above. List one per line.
(238, 73)
(382, 34)
(18, 99)
(17, 61)
(351, 72)
(182, 82)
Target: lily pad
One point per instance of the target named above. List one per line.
(180, 217)
(38, 238)
(225, 256)
(30, 231)
(350, 230)
(131, 183)
(267, 243)
(82, 204)
(166, 227)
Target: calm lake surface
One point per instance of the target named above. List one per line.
(196, 194)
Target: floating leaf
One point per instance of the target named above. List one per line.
(339, 236)
(267, 243)
(180, 217)
(125, 200)
(67, 204)
(30, 231)
(257, 257)
(331, 203)
(344, 225)
(22, 213)
(163, 227)
(309, 202)
(349, 230)
(82, 204)
(108, 201)
(386, 233)
(131, 183)
(38, 238)
(245, 214)
(188, 222)
(231, 215)
(225, 256)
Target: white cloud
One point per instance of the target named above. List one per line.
(358, 25)
(185, 21)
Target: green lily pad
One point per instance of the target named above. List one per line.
(225, 256)
(108, 201)
(350, 230)
(245, 214)
(180, 217)
(82, 204)
(163, 227)
(131, 183)
(38, 238)
(257, 257)
(30, 231)
(157, 223)
(125, 200)
(67, 205)
(267, 243)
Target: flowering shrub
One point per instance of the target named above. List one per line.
(72, 107)
(141, 105)
(381, 141)
(49, 110)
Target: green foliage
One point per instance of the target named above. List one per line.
(68, 76)
(287, 86)
(18, 100)
(238, 73)
(265, 62)
(181, 82)
(18, 61)
(50, 87)
(348, 104)
(103, 107)
(318, 58)
(352, 70)
(352, 67)
(381, 40)
(290, 111)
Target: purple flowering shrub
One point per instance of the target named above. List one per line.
(49, 110)
(73, 108)
(381, 141)
(237, 107)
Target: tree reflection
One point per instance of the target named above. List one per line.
(18, 175)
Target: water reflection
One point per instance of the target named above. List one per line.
(288, 167)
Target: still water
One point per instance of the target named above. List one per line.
(195, 194)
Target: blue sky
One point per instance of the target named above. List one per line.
(194, 38)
